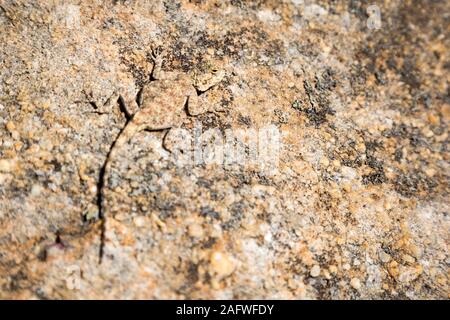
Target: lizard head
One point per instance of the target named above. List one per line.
(206, 80)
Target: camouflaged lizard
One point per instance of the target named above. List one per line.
(164, 103)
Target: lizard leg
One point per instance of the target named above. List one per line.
(110, 102)
(157, 72)
(193, 103)
(198, 104)
(169, 140)
(140, 97)
(128, 106)
(178, 142)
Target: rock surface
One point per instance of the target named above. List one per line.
(358, 206)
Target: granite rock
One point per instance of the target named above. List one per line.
(355, 208)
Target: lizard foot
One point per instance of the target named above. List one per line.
(157, 54)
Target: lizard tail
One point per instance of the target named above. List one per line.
(130, 129)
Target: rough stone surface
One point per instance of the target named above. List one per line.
(361, 192)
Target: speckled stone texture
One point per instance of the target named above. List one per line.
(357, 210)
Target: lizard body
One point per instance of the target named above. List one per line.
(162, 106)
